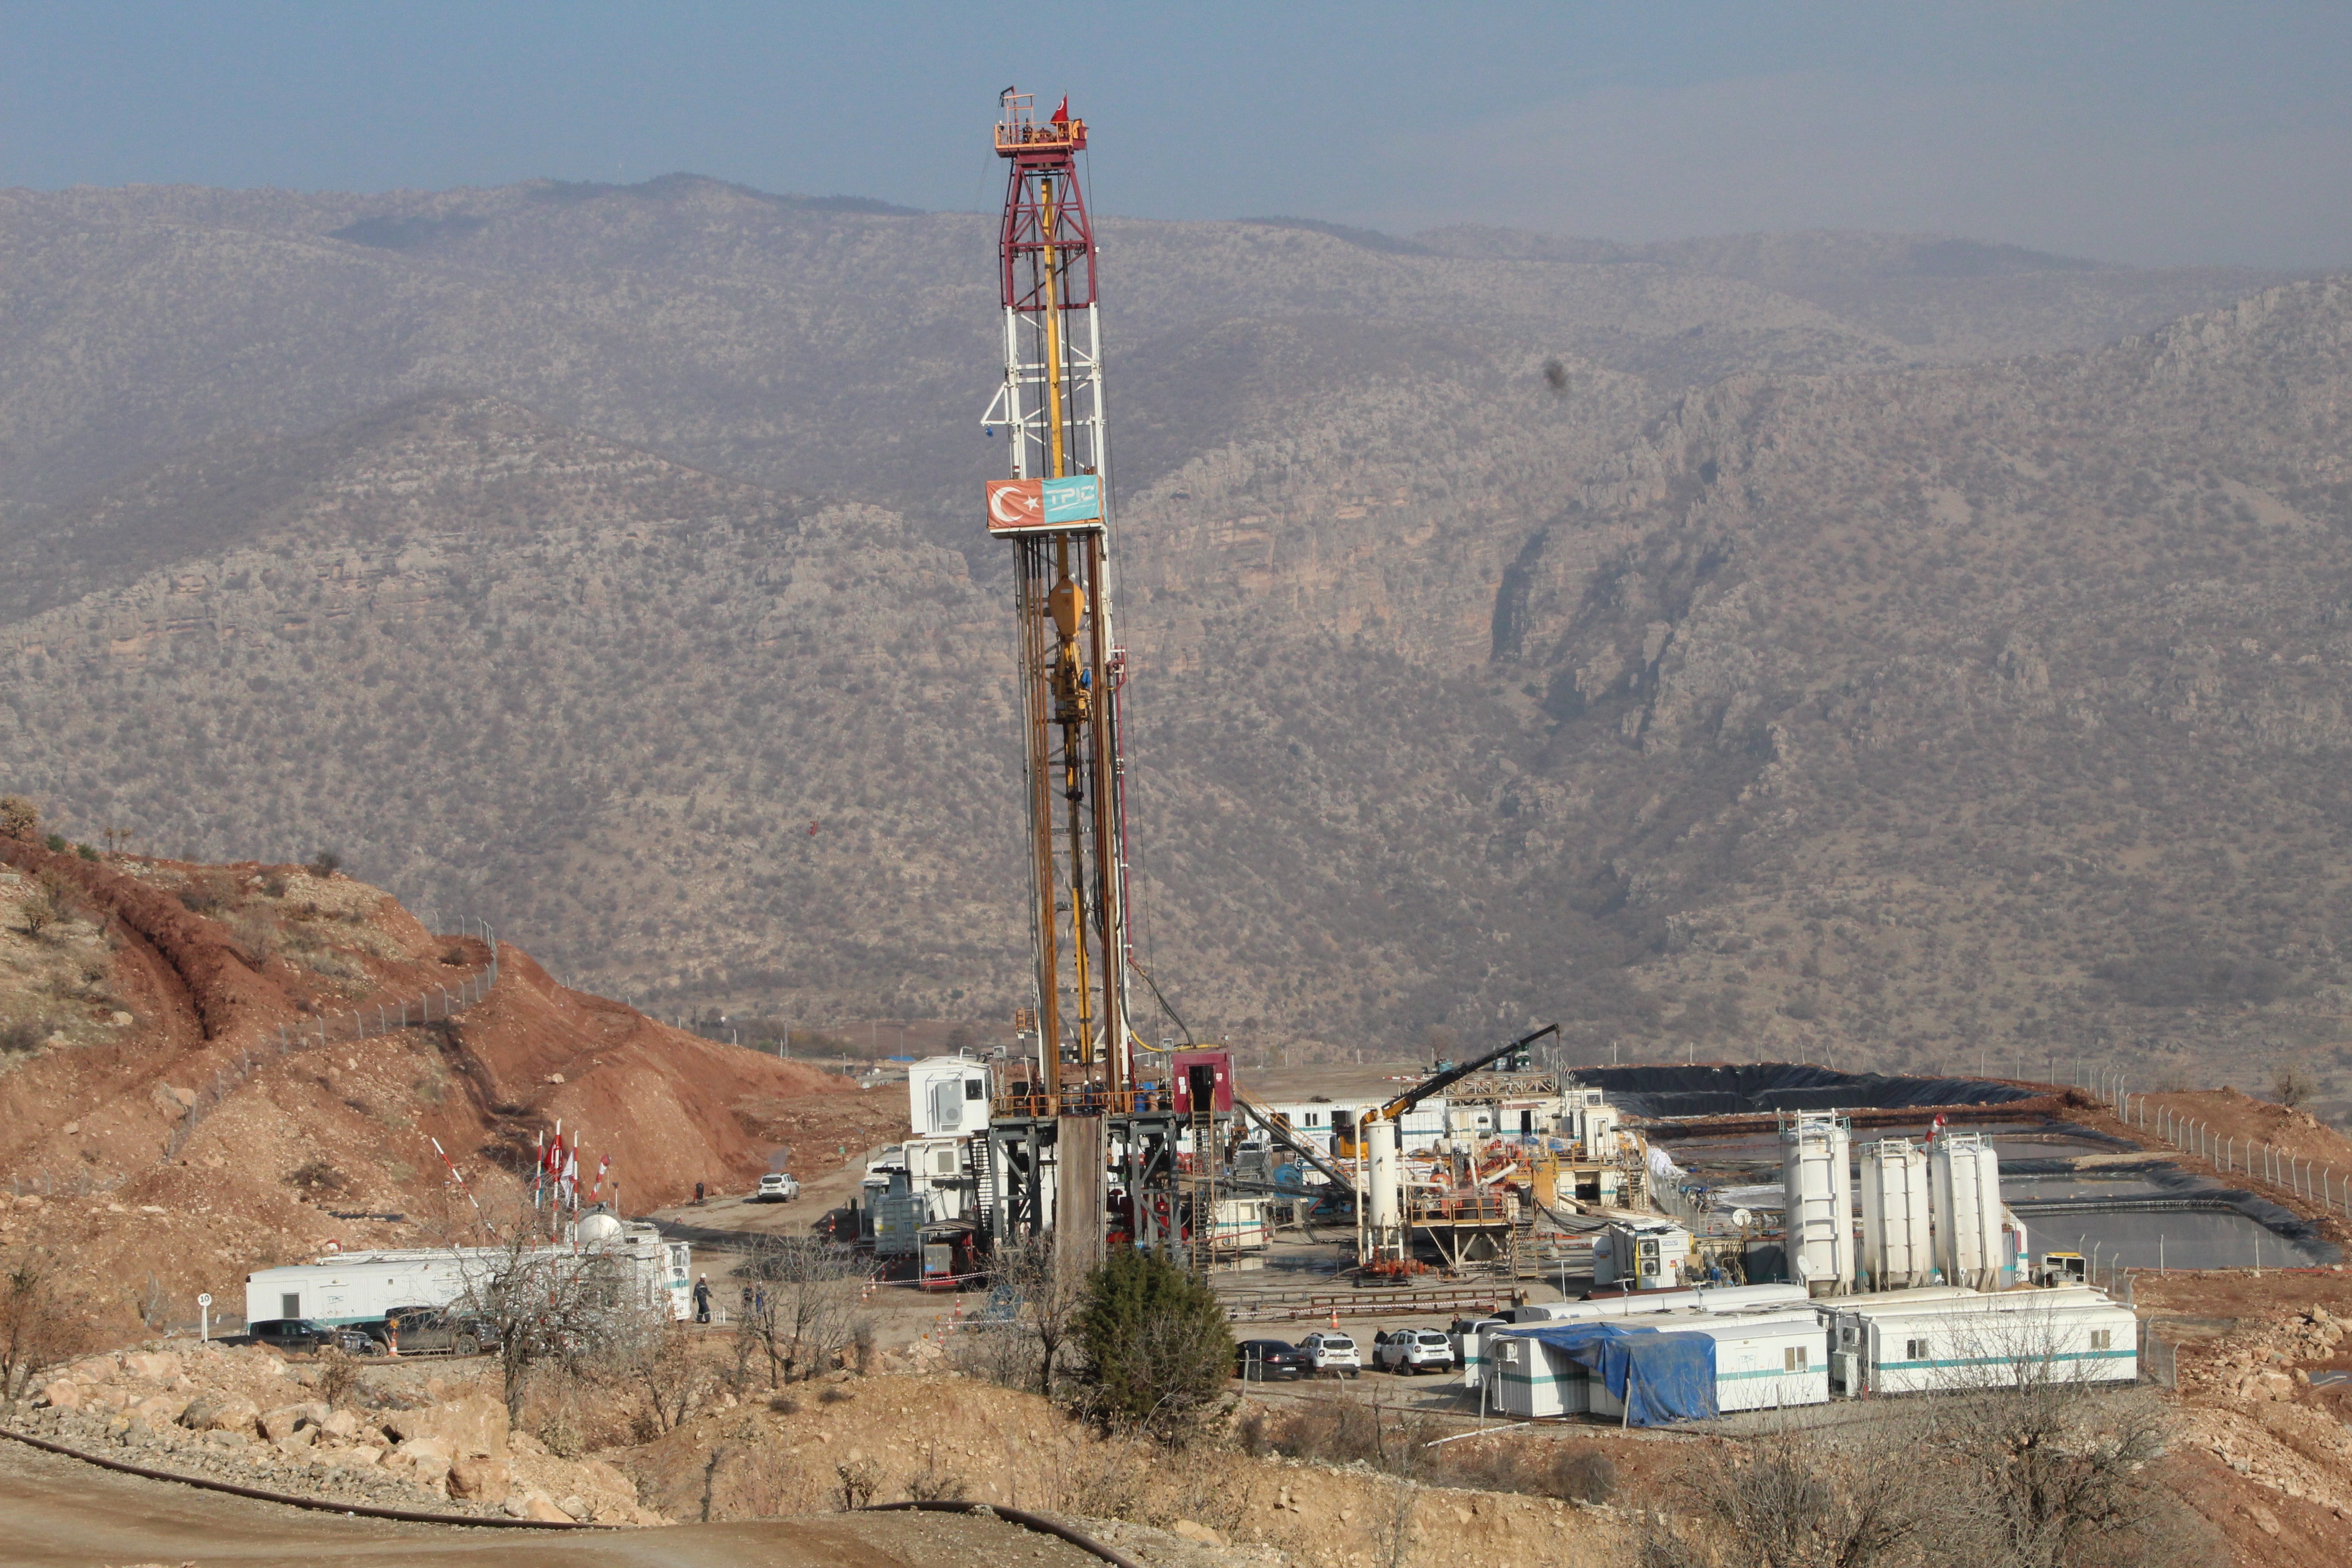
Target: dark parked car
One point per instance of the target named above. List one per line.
(1260, 1361)
(303, 1334)
(409, 1330)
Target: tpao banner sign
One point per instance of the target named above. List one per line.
(1015, 506)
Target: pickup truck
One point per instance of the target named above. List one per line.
(303, 1334)
(410, 1330)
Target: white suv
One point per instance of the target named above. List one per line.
(1414, 1350)
(776, 1188)
(1332, 1353)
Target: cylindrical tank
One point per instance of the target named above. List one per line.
(1814, 1175)
(1385, 1178)
(1897, 1241)
(1964, 1174)
(596, 1230)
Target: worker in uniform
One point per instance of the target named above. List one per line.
(702, 1298)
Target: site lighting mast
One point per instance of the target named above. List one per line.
(1055, 509)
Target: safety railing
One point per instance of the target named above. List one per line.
(1090, 1100)
(2309, 1180)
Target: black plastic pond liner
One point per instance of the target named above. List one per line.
(1755, 1087)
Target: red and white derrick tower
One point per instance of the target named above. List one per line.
(1056, 508)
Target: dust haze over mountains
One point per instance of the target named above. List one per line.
(1890, 647)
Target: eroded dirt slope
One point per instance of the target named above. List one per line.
(157, 1138)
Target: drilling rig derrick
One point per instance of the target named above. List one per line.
(1079, 1148)
(1055, 509)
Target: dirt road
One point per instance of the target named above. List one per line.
(61, 1513)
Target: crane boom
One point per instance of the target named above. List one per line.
(1448, 1076)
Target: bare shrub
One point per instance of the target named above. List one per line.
(934, 1484)
(660, 1359)
(39, 1329)
(256, 933)
(21, 1037)
(339, 1377)
(324, 864)
(40, 913)
(318, 1175)
(2292, 1086)
(547, 1309)
(20, 819)
(860, 1478)
(2057, 1472)
(805, 1310)
(1031, 1310)
(1328, 1425)
(1792, 1500)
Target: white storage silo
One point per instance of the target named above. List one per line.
(1814, 1175)
(1384, 1179)
(1964, 1174)
(1898, 1242)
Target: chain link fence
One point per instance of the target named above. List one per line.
(438, 1005)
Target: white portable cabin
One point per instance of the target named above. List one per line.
(1897, 1241)
(948, 1097)
(1647, 1308)
(1763, 1360)
(1903, 1344)
(1813, 1171)
(361, 1286)
(1241, 1224)
(356, 1287)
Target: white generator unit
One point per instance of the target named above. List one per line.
(1902, 1345)
(1814, 1173)
(947, 1097)
(1654, 1254)
(1897, 1240)
(361, 1286)
(1964, 1171)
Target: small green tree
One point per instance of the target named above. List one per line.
(20, 819)
(1156, 1344)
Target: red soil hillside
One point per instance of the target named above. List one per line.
(164, 986)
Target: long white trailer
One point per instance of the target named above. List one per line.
(1992, 1339)
(361, 1286)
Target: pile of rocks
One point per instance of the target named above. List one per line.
(2258, 1360)
(249, 1417)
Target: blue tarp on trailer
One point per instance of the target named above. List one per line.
(1659, 1377)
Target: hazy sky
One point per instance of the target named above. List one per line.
(2149, 133)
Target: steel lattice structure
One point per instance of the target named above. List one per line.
(1055, 507)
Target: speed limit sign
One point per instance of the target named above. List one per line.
(204, 1316)
(205, 1299)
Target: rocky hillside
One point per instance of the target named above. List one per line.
(1708, 645)
(156, 1135)
(846, 349)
